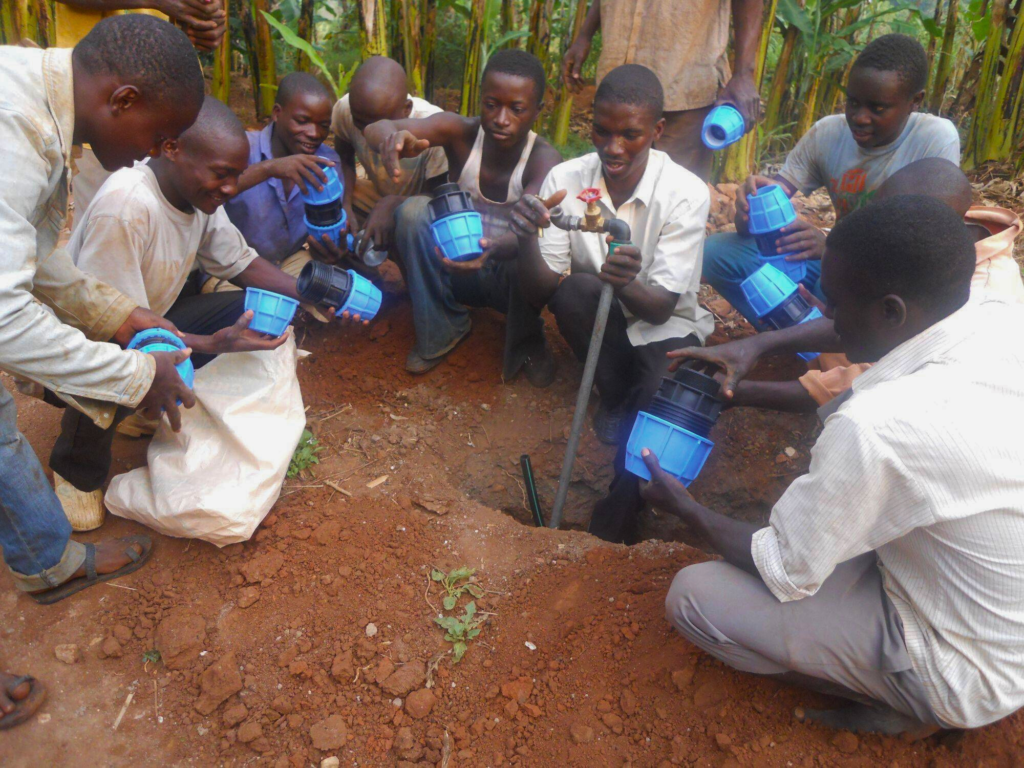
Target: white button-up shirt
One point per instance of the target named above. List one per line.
(924, 465)
(36, 129)
(667, 214)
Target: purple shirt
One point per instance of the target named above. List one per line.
(272, 223)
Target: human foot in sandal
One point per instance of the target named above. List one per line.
(20, 697)
(106, 560)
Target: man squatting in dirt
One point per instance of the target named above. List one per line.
(891, 573)
(656, 278)
(133, 81)
(495, 158)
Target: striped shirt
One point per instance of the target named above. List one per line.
(924, 465)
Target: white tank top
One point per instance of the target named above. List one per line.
(495, 215)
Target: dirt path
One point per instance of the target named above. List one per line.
(317, 639)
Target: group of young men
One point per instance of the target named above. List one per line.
(889, 574)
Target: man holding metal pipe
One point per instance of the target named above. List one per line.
(663, 208)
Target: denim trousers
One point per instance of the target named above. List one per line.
(34, 533)
(441, 300)
(730, 258)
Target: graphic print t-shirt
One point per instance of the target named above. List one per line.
(827, 156)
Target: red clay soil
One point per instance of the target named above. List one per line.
(316, 639)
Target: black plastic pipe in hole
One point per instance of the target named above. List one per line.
(531, 490)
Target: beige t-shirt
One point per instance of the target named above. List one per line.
(415, 170)
(682, 41)
(133, 239)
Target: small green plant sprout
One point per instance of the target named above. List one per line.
(305, 454)
(152, 655)
(455, 584)
(459, 631)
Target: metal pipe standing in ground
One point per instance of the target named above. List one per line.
(604, 306)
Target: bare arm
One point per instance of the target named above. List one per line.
(299, 169)
(741, 90)
(788, 396)
(395, 139)
(651, 303)
(262, 274)
(729, 538)
(576, 54)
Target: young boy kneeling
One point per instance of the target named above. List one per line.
(656, 278)
(145, 232)
(495, 159)
(850, 155)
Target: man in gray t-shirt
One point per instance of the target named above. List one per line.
(851, 155)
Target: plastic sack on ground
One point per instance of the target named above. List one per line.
(219, 476)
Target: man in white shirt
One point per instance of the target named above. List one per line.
(378, 91)
(146, 231)
(892, 573)
(656, 277)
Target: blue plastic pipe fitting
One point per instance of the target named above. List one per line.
(161, 340)
(456, 227)
(272, 312)
(345, 290)
(723, 126)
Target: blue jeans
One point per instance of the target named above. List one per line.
(729, 259)
(441, 300)
(34, 533)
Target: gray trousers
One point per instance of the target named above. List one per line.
(847, 635)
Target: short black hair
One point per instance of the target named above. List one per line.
(512, 61)
(215, 123)
(932, 176)
(300, 83)
(147, 52)
(912, 246)
(633, 84)
(897, 53)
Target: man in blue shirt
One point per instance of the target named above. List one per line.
(284, 158)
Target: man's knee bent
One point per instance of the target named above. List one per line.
(576, 294)
(692, 598)
(412, 214)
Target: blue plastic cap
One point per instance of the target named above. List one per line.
(680, 452)
(333, 190)
(458, 235)
(161, 340)
(723, 126)
(766, 289)
(363, 299)
(814, 314)
(334, 231)
(770, 209)
(794, 270)
(271, 311)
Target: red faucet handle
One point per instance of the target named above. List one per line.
(589, 195)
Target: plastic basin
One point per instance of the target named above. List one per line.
(723, 126)
(363, 298)
(681, 453)
(794, 270)
(272, 312)
(160, 340)
(458, 235)
(770, 210)
(766, 289)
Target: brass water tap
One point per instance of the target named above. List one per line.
(593, 221)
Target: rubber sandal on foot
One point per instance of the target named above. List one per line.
(68, 588)
(27, 707)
